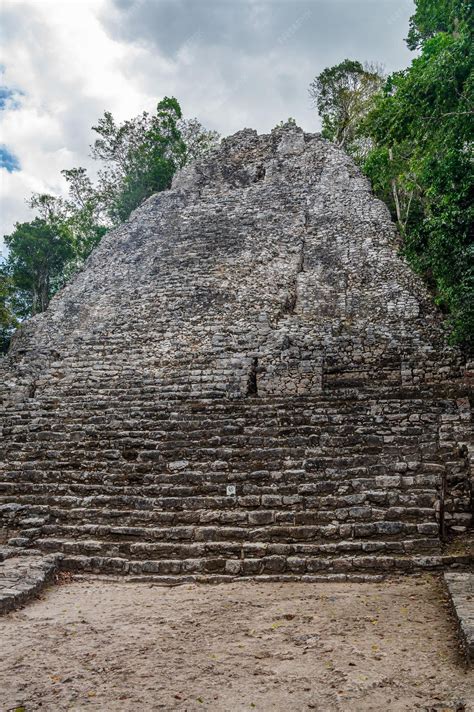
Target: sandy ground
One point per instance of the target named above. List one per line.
(100, 645)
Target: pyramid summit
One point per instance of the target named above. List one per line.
(246, 378)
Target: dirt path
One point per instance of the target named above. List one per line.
(95, 645)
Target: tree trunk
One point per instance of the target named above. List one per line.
(396, 198)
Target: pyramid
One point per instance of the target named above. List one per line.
(246, 378)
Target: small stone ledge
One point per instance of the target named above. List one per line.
(460, 587)
(8, 552)
(223, 578)
(23, 577)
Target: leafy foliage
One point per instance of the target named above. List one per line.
(434, 16)
(197, 140)
(289, 122)
(8, 321)
(343, 95)
(139, 158)
(421, 164)
(38, 253)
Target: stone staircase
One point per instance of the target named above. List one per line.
(335, 484)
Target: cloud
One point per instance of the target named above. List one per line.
(61, 59)
(250, 62)
(231, 63)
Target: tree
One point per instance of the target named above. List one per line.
(197, 139)
(421, 129)
(8, 321)
(79, 217)
(42, 255)
(84, 211)
(139, 157)
(39, 252)
(343, 96)
(151, 163)
(434, 16)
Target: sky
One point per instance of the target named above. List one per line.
(231, 63)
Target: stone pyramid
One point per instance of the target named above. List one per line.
(246, 378)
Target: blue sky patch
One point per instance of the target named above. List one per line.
(8, 160)
(9, 98)
(5, 94)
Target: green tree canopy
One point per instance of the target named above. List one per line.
(343, 95)
(39, 251)
(421, 163)
(434, 16)
(138, 158)
(8, 321)
(197, 139)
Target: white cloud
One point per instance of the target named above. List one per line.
(233, 64)
(59, 55)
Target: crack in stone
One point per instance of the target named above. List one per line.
(291, 301)
(252, 386)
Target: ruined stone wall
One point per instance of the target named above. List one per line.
(269, 255)
(268, 273)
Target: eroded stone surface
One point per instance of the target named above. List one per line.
(461, 593)
(23, 577)
(245, 379)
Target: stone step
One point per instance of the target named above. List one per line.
(229, 509)
(241, 414)
(23, 577)
(166, 421)
(204, 459)
(309, 459)
(275, 566)
(271, 532)
(302, 506)
(240, 521)
(235, 456)
(267, 434)
(294, 479)
(293, 471)
(202, 482)
(222, 435)
(124, 543)
(322, 442)
(131, 408)
(182, 422)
